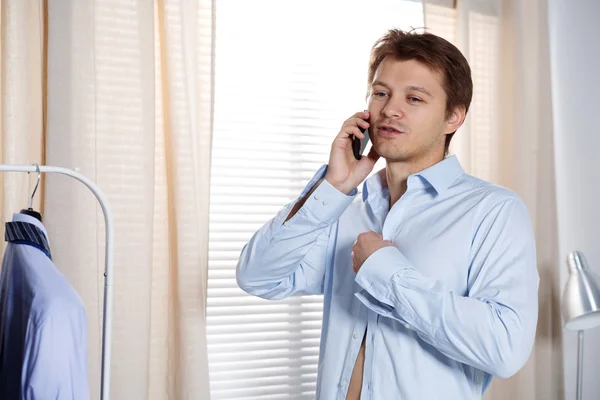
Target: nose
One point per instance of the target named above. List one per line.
(393, 109)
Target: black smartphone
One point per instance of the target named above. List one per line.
(358, 145)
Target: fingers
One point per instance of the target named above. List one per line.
(352, 124)
(353, 130)
(347, 132)
(365, 235)
(350, 129)
(361, 115)
(357, 122)
(361, 236)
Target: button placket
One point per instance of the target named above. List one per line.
(360, 326)
(397, 212)
(372, 326)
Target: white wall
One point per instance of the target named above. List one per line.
(575, 59)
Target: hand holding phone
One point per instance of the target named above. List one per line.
(346, 168)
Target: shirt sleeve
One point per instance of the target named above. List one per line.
(284, 259)
(55, 360)
(491, 328)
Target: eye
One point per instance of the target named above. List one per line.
(379, 94)
(414, 99)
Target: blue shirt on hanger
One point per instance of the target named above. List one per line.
(43, 325)
(453, 304)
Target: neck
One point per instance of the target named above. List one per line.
(397, 173)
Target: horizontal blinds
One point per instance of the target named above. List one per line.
(484, 57)
(284, 84)
(479, 25)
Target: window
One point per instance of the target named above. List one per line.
(475, 29)
(287, 74)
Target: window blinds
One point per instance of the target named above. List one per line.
(475, 29)
(287, 74)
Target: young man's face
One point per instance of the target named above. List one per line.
(408, 108)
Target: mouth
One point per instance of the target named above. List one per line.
(390, 131)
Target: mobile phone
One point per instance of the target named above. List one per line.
(358, 145)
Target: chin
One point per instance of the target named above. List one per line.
(397, 158)
(393, 154)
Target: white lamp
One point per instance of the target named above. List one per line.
(580, 304)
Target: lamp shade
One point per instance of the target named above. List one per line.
(581, 297)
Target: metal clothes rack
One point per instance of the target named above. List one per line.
(109, 259)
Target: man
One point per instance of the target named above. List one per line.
(429, 275)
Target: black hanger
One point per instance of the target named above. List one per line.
(30, 211)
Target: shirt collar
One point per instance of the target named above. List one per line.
(18, 217)
(443, 174)
(440, 176)
(375, 185)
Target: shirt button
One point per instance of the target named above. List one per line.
(343, 384)
(354, 336)
(316, 197)
(325, 202)
(407, 326)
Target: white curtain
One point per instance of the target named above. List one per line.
(128, 90)
(508, 139)
(22, 87)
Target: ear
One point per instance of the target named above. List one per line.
(455, 120)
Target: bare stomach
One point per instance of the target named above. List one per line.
(355, 385)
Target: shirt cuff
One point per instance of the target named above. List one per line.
(376, 273)
(375, 305)
(326, 204)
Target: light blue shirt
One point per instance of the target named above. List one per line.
(452, 305)
(43, 327)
